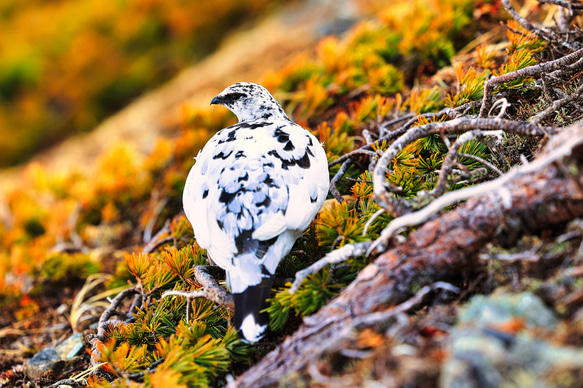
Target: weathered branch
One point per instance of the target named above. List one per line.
(557, 104)
(406, 306)
(384, 192)
(543, 32)
(527, 71)
(496, 186)
(210, 290)
(452, 156)
(112, 309)
(483, 161)
(67, 382)
(333, 189)
(337, 256)
(350, 155)
(384, 135)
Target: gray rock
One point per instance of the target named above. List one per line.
(483, 311)
(481, 354)
(70, 347)
(46, 360)
(54, 359)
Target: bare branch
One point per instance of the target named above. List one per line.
(451, 158)
(67, 382)
(528, 71)
(350, 155)
(369, 222)
(408, 305)
(337, 177)
(557, 104)
(384, 192)
(383, 127)
(565, 4)
(337, 256)
(112, 309)
(563, 94)
(211, 290)
(497, 186)
(483, 161)
(543, 32)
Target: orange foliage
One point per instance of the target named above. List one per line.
(66, 65)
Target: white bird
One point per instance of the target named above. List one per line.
(254, 189)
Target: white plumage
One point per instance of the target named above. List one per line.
(254, 189)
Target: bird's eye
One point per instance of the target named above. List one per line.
(236, 96)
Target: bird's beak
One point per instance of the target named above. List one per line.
(216, 101)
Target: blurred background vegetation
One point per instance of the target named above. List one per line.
(65, 65)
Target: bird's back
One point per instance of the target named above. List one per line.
(252, 182)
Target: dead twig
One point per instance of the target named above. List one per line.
(543, 32)
(529, 255)
(558, 64)
(337, 256)
(333, 189)
(211, 290)
(384, 192)
(371, 148)
(557, 104)
(565, 4)
(453, 153)
(407, 306)
(96, 340)
(563, 94)
(67, 382)
(483, 161)
(350, 155)
(103, 320)
(383, 127)
(157, 241)
(139, 376)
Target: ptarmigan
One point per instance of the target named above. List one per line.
(254, 189)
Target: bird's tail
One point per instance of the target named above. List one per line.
(249, 321)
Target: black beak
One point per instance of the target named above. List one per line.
(227, 99)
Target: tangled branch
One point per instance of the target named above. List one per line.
(386, 193)
(561, 65)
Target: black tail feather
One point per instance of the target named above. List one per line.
(251, 302)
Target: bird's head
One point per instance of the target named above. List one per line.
(249, 102)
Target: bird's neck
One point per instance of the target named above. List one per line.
(262, 111)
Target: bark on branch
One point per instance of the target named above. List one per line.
(444, 249)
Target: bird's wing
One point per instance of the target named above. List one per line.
(303, 166)
(309, 193)
(193, 196)
(250, 184)
(301, 163)
(230, 192)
